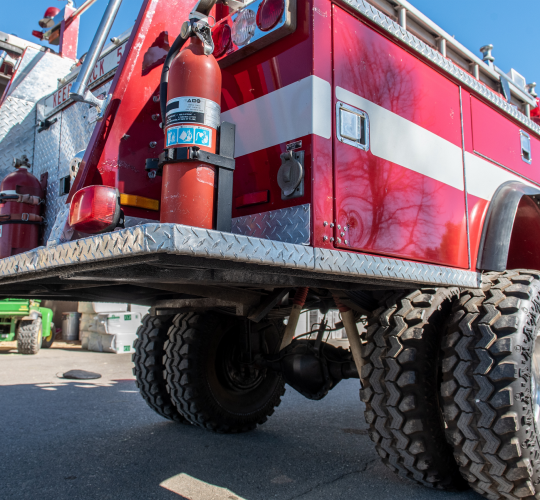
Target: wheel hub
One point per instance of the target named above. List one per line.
(240, 375)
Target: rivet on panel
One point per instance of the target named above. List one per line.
(153, 144)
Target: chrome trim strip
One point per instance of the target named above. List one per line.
(465, 177)
(393, 28)
(175, 239)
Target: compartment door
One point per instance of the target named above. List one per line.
(398, 164)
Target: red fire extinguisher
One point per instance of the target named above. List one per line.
(191, 118)
(20, 198)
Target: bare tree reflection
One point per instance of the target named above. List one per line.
(390, 209)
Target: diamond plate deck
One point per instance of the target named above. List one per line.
(289, 225)
(390, 26)
(17, 122)
(56, 147)
(176, 239)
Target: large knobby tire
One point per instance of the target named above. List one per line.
(149, 367)
(29, 336)
(401, 379)
(489, 379)
(205, 375)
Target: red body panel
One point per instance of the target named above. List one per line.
(390, 209)
(477, 215)
(69, 35)
(498, 138)
(121, 142)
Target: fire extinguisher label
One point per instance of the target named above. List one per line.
(185, 135)
(193, 110)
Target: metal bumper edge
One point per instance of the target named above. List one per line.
(176, 239)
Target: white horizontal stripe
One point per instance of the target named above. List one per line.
(483, 177)
(302, 108)
(401, 141)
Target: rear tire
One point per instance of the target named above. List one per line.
(29, 336)
(401, 379)
(491, 388)
(207, 379)
(149, 367)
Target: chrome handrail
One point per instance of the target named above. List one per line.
(79, 90)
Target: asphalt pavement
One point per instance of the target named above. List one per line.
(98, 439)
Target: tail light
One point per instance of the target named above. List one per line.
(269, 14)
(243, 27)
(38, 34)
(95, 209)
(222, 39)
(251, 28)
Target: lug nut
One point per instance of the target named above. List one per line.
(338, 226)
(325, 223)
(342, 233)
(332, 224)
(324, 238)
(346, 242)
(332, 238)
(339, 240)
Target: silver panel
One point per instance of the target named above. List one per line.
(288, 225)
(17, 122)
(369, 266)
(46, 160)
(56, 147)
(437, 58)
(38, 74)
(56, 229)
(183, 240)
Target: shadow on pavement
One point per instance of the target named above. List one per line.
(98, 439)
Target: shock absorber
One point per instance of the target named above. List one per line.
(191, 82)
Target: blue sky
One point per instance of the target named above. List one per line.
(510, 27)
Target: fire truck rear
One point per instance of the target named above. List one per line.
(232, 165)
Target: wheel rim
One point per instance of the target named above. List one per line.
(233, 370)
(535, 384)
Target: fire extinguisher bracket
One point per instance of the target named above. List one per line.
(224, 162)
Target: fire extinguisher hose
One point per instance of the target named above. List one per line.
(173, 51)
(203, 7)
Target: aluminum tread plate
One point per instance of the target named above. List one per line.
(17, 122)
(289, 225)
(390, 26)
(176, 239)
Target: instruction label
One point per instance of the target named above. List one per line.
(185, 135)
(193, 110)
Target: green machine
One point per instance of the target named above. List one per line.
(27, 322)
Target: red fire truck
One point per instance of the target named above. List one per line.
(234, 164)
